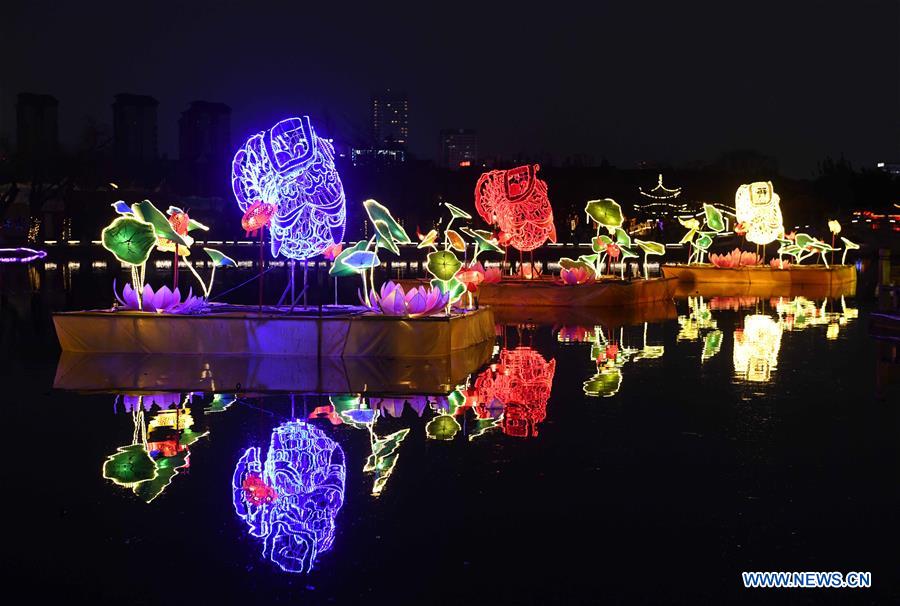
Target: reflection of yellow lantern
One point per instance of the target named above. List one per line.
(758, 207)
(756, 348)
(832, 332)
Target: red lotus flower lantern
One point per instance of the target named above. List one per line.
(516, 202)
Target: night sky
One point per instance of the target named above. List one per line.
(657, 81)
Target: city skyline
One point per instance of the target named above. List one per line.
(667, 84)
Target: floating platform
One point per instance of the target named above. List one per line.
(547, 292)
(838, 277)
(326, 332)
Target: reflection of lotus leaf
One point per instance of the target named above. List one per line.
(442, 427)
(129, 239)
(604, 384)
(606, 212)
(129, 466)
(712, 343)
(443, 264)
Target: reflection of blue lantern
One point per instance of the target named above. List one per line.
(292, 168)
(292, 497)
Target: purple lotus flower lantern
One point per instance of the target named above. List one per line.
(419, 301)
(162, 300)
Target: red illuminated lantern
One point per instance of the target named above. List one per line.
(257, 216)
(179, 222)
(516, 202)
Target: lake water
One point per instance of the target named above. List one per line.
(649, 462)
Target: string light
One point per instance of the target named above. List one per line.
(516, 202)
(292, 497)
(291, 168)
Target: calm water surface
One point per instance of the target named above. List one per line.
(595, 460)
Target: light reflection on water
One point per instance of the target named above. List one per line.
(571, 407)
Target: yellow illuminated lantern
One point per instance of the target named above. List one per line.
(758, 207)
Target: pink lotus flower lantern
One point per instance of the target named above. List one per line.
(575, 275)
(780, 264)
(471, 276)
(420, 301)
(736, 258)
(492, 275)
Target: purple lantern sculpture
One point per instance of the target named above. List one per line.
(292, 168)
(291, 498)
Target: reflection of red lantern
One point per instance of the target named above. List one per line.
(257, 491)
(516, 202)
(520, 382)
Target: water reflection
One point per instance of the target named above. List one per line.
(291, 498)
(159, 449)
(514, 392)
(756, 347)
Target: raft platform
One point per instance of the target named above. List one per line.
(833, 277)
(547, 292)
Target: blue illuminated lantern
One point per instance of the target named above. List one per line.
(292, 168)
(291, 498)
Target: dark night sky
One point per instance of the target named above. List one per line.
(657, 81)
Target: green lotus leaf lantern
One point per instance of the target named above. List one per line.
(146, 211)
(443, 264)
(457, 213)
(385, 224)
(361, 260)
(129, 239)
(484, 240)
(219, 258)
(714, 218)
(622, 237)
(453, 287)
(384, 237)
(704, 242)
(606, 213)
(650, 248)
(848, 246)
(339, 268)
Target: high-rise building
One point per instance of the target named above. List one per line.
(204, 133)
(37, 129)
(459, 147)
(135, 129)
(390, 119)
